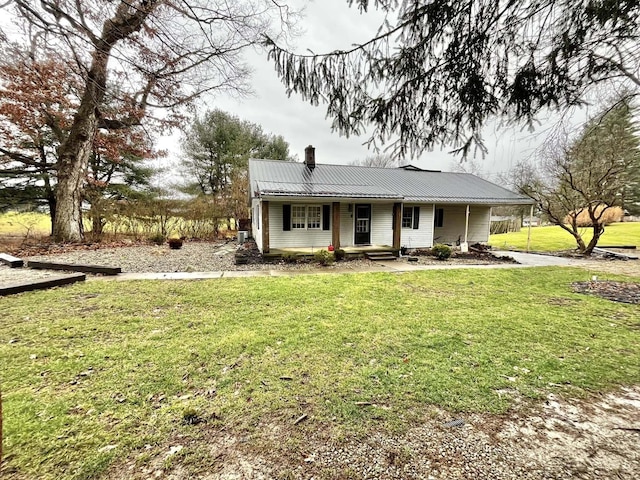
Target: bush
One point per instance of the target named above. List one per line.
(611, 215)
(289, 257)
(324, 257)
(339, 254)
(158, 239)
(440, 251)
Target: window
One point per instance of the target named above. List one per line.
(411, 217)
(298, 216)
(439, 217)
(314, 215)
(306, 217)
(407, 217)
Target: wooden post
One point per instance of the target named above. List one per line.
(466, 225)
(529, 230)
(397, 225)
(335, 227)
(265, 226)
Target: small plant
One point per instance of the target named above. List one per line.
(441, 251)
(158, 239)
(339, 254)
(289, 257)
(190, 417)
(324, 257)
(175, 243)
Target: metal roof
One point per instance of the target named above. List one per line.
(273, 178)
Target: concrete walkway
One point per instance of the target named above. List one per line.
(524, 260)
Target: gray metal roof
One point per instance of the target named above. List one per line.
(272, 178)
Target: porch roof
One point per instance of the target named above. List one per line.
(272, 178)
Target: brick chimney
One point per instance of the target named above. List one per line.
(310, 157)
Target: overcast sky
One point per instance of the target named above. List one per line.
(328, 25)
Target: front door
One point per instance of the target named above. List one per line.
(363, 225)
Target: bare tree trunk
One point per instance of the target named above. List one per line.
(598, 230)
(74, 153)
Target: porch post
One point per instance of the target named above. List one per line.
(335, 227)
(529, 229)
(466, 225)
(397, 225)
(265, 227)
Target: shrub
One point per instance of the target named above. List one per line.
(611, 215)
(441, 251)
(289, 257)
(324, 257)
(339, 254)
(158, 239)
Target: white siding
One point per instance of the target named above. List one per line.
(346, 225)
(256, 222)
(422, 237)
(382, 224)
(454, 220)
(295, 237)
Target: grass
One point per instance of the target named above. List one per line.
(554, 238)
(92, 373)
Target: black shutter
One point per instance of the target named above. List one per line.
(326, 217)
(286, 217)
(416, 217)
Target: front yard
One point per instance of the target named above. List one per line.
(104, 373)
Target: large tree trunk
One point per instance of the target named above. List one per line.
(74, 153)
(598, 230)
(74, 156)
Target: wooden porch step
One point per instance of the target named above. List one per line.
(13, 262)
(380, 256)
(74, 268)
(42, 284)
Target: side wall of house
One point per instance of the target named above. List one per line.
(256, 222)
(454, 220)
(421, 237)
(278, 238)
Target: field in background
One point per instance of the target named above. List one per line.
(32, 224)
(553, 238)
(22, 226)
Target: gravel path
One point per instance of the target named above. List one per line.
(192, 257)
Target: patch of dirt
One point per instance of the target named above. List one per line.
(558, 439)
(625, 292)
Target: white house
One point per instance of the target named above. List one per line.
(309, 205)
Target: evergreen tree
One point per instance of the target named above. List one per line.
(216, 151)
(439, 69)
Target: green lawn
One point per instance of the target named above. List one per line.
(554, 238)
(94, 372)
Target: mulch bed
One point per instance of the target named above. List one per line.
(625, 292)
